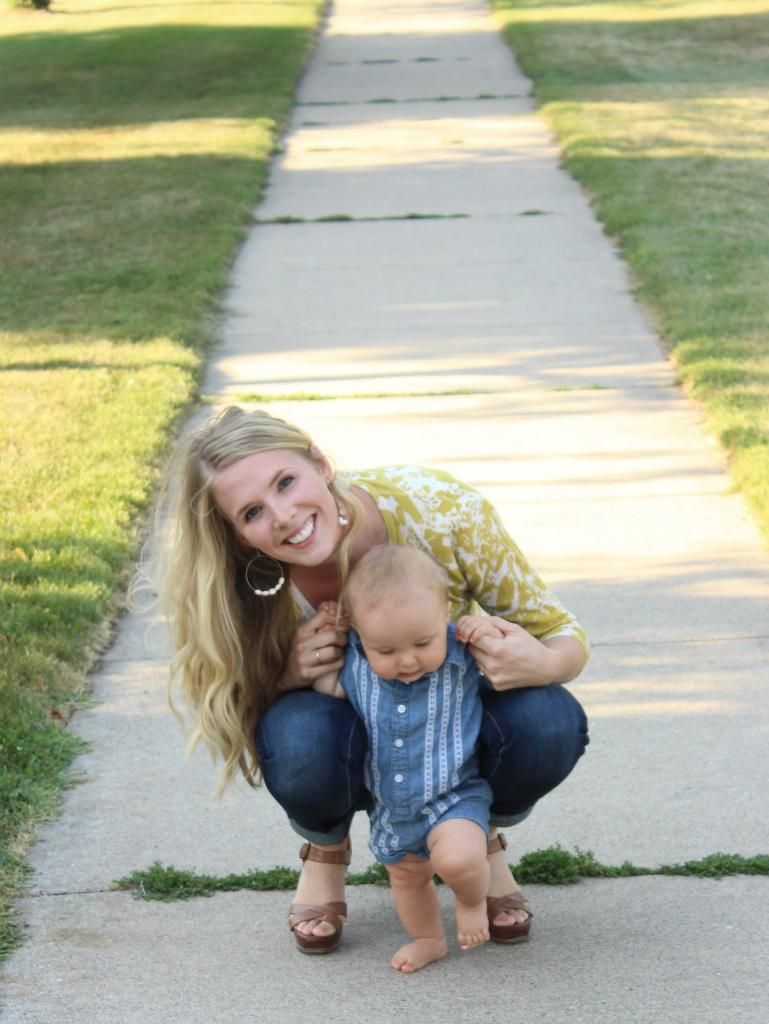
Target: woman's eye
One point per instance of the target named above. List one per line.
(251, 513)
(285, 481)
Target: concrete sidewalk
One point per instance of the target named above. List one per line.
(570, 420)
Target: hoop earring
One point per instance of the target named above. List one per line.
(272, 590)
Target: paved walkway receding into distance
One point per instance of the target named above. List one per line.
(420, 242)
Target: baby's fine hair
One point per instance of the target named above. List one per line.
(389, 572)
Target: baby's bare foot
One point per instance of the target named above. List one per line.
(418, 953)
(472, 925)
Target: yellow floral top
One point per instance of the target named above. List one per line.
(459, 527)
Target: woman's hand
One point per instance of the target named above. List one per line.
(514, 658)
(317, 649)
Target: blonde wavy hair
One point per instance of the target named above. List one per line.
(232, 646)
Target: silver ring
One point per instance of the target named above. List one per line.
(317, 656)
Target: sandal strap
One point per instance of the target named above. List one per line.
(310, 851)
(499, 842)
(331, 913)
(504, 904)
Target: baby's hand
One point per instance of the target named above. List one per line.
(335, 611)
(470, 628)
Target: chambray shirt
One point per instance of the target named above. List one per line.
(421, 762)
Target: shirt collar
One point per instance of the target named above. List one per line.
(456, 652)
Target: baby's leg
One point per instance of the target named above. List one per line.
(458, 855)
(416, 901)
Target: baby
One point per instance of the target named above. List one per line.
(431, 808)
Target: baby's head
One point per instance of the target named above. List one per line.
(396, 597)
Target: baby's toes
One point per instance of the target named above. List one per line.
(469, 939)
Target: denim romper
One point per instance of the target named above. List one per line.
(422, 765)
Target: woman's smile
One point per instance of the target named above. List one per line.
(304, 534)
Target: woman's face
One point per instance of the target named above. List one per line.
(279, 501)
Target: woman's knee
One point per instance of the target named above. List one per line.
(531, 739)
(546, 717)
(309, 743)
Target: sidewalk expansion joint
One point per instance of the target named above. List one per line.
(391, 60)
(684, 640)
(287, 220)
(43, 894)
(387, 100)
(261, 398)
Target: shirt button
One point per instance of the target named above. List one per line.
(399, 742)
(399, 778)
(401, 709)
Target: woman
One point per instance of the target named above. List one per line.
(265, 531)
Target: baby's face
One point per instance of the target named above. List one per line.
(405, 639)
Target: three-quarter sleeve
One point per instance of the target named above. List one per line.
(462, 530)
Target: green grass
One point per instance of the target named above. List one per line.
(551, 866)
(134, 142)
(661, 108)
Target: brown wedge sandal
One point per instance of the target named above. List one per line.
(507, 933)
(331, 913)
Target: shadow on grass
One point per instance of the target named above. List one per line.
(46, 365)
(150, 73)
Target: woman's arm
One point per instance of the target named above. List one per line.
(541, 641)
(518, 659)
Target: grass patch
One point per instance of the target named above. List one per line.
(551, 866)
(661, 108)
(134, 141)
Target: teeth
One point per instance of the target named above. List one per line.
(304, 533)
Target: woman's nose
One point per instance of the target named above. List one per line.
(282, 514)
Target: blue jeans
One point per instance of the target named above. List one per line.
(312, 750)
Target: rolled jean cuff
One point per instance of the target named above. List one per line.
(508, 820)
(337, 835)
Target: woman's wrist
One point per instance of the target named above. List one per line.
(566, 659)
